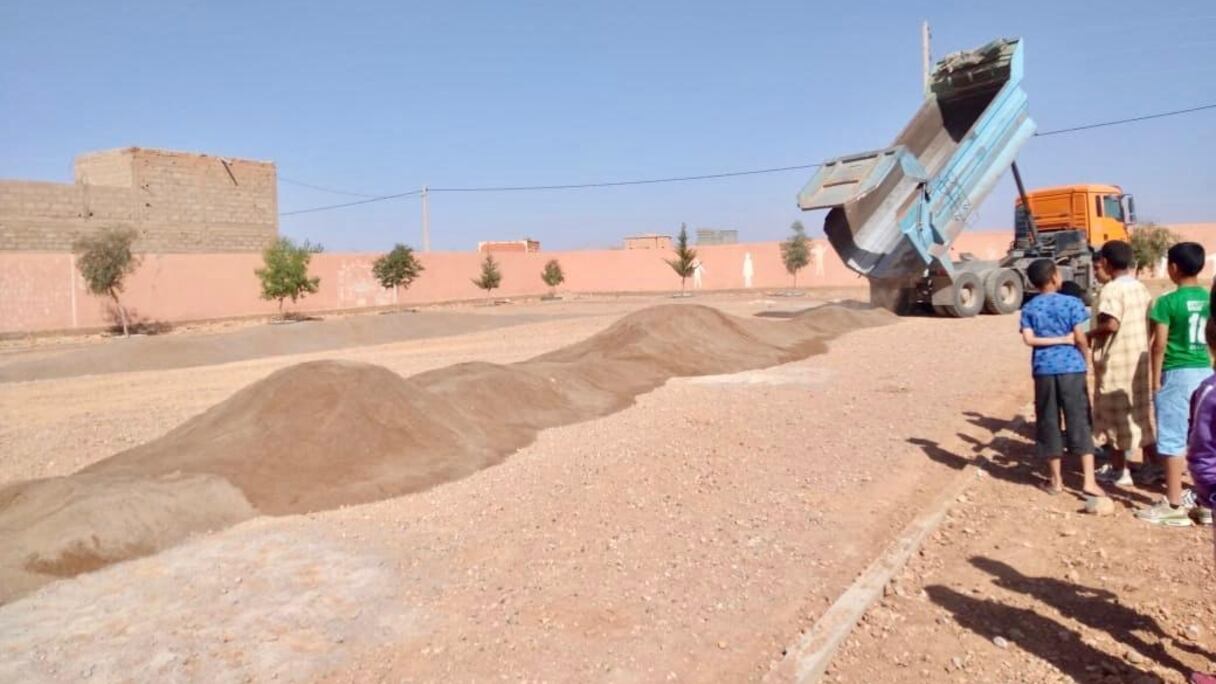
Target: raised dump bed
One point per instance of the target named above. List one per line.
(895, 212)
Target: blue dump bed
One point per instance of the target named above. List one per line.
(894, 213)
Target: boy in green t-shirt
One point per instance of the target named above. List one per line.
(1181, 362)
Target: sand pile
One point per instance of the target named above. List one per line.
(61, 527)
(324, 434)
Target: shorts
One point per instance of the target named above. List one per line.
(1173, 405)
(1065, 395)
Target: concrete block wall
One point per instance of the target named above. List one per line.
(178, 202)
(43, 291)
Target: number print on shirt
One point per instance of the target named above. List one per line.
(1197, 324)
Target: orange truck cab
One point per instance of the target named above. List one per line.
(1069, 224)
(1102, 212)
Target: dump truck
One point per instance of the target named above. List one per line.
(894, 214)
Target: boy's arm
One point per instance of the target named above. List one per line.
(1107, 325)
(1033, 340)
(1110, 310)
(1080, 337)
(1159, 333)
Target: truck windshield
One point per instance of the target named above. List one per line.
(1112, 207)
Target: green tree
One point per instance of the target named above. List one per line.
(685, 262)
(285, 273)
(794, 251)
(490, 278)
(553, 276)
(397, 269)
(105, 260)
(1150, 242)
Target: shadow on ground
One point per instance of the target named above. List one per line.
(1014, 459)
(1036, 634)
(1098, 609)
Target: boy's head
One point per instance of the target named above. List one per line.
(1115, 258)
(1185, 260)
(1044, 275)
(1072, 289)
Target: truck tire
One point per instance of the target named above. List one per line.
(966, 296)
(1002, 291)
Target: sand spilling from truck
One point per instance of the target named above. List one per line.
(324, 434)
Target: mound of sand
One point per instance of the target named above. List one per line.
(60, 527)
(319, 435)
(324, 434)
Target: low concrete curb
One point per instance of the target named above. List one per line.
(806, 661)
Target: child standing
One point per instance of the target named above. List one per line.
(1122, 389)
(1180, 363)
(1054, 326)
(1201, 446)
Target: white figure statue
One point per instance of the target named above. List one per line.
(698, 270)
(817, 250)
(748, 270)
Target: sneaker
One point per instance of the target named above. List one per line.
(1108, 474)
(1202, 515)
(1163, 513)
(1150, 475)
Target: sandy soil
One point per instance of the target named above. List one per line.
(1019, 586)
(687, 537)
(323, 434)
(248, 342)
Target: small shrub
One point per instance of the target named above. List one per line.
(105, 260)
(285, 273)
(1150, 242)
(685, 262)
(553, 276)
(795, 253)
(490, 278)
(397, 269)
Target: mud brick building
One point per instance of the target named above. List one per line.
(178, 201)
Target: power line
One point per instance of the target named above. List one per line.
(1146, 117)
(671, 179)
(369, 200)
(284, 179)
(614, 184)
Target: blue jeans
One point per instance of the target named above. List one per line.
(1173, 404)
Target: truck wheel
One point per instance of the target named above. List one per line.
(1002, 291)
(966, 296)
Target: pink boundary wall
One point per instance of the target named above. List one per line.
(43, 292)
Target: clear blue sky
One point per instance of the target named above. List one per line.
(381, 97)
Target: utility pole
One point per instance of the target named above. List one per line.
(926, 61)
(426, 221)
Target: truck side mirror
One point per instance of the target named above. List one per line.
(1129, 209)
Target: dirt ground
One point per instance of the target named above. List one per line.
(1019, 586)
(689, 537)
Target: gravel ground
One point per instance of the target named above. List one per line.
(689, 537)
(1019, 586)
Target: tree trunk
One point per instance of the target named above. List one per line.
(795, 280)
(397, 297)
(122, 314)
(280, 308)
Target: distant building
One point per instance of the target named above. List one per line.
(176, 201)
(711, 236)
(648, 241)
(527, 246)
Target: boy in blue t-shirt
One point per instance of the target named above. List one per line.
(1054, 325)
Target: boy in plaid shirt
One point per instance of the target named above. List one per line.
(1123, 395)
